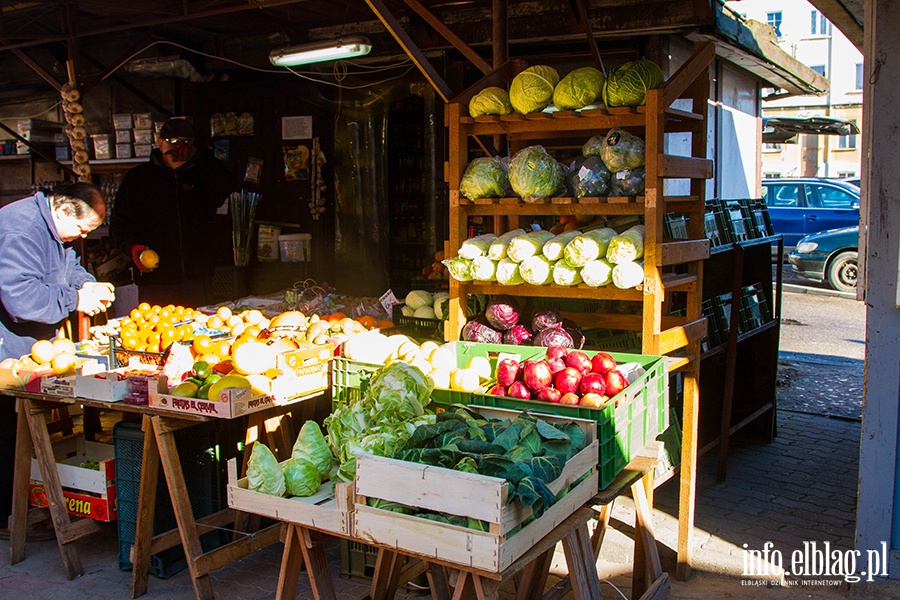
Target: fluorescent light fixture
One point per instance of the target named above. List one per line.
(316, 52)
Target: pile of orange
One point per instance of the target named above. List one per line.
(154, 328)
(367, 321)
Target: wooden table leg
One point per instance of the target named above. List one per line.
(534, 577)
(581, 565)
(312, 546)
(43, 451)
(184, 513)
(437, 581)
(18, 520)
(143, 535)
(647, 566)
(291, 563)
(386, 577)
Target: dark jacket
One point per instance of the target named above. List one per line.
(39, 276)
(172, 213)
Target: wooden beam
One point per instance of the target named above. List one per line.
(674, 253)
(581, 15)
(451, 37)
(37, 68)
(393, 26)
(678, 83)
(684, 167)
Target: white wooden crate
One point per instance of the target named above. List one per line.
(328, 510)
(469, 495)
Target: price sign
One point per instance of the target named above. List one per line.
(388, 300)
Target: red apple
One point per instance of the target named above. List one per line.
(615, 382)
(570, 399)
(593, 400)
(536, 375)
(567, 380)
(507, 370)
(549, 394)
(497, 390)
(518, 390)
(556, 365)
(578, 360)
(557, 351)
(593, 383)
(602, 362)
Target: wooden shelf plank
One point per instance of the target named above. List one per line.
(679, 337)
(679, 282)
(552, 291)
(538, 124)
(684, 167)
(673, 253)
(744, 336)
(683, 115)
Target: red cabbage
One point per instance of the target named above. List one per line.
(502, 312)
(544, 318)
(554, 335)
(476, 331)
(574, 332)
(518, 335)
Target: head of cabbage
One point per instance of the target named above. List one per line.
(627, 85)
(263, 471)
(534, 174)
(588, 177)
(619, 150)
(301, 477)
(490, 101)
(485, 177)
(532, 89)
(578, 89)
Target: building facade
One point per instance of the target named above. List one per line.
(805, 33)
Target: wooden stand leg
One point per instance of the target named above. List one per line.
(184, 514)
(92, 424)
(386, 577)
(534, 578)
(600, 529)
(291, 563)
(311, 544)
(647, 566)
(143, 535)
(18, 520)
(486, 589)
(581, 565)
(53, 488)
(437, 581)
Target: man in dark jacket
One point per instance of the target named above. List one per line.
(168, 205)
(41, 283)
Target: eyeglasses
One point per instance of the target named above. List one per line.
(176, 141)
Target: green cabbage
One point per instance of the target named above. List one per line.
(460, 268)
(619, 150)
(532, 89)
(485, 178)
(536, 270)
(312, 446)
(554, 247)
(534, 174)
(597, 273)
(628, 275)
(301, 477)
(627, 246)
(508, 272)
(628, 183)
(490, 101)
(627, 85)
(498, 247)
(418, 298)
(528, 244)
(264, 475)
(588, 177)
(588, 246)
(578, 89)
(565, 274)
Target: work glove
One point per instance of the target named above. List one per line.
(136, 257)
(91, 300)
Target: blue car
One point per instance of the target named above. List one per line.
(829, 256)
(799, 207)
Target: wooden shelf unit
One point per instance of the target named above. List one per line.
(662, 333)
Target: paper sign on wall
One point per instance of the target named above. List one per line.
(296, 128)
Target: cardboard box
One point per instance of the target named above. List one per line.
(110, 386)
(309, 367)
(124, 136)
(88, 492)
(28, 381)
(64, 386)
(143, 121)
(143, 136)
(122, 121)
(123, 150)
(142, 150)
(103, 146)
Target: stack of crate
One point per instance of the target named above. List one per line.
(122, 124)
(143, 135)
(40, 133)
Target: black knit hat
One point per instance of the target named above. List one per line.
(176, 129)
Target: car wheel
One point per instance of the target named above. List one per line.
(841, 273)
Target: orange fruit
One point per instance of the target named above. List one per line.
(42, 351)
(169, 335)
(215, 322)
(367, 321)
(202, 344)
(385, 324)
(224, 313)
(252, 331)
(144, 306)
(136, 315)
(222, 348)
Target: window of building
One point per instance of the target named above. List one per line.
(771, 175)
(818, 24)
(772, 147)
(859, 76)
(846, 174)
(847, 142)
(774, 19)
(820, 69)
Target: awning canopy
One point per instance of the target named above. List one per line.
(784, 130)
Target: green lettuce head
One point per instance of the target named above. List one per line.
(301, 477)
(312, 446)
(535, 174)
(263, 472)
(627, 85)
(490, 101)
(578, 89)
(532, 89)
(485, 178)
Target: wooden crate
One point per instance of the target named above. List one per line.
(469, 495)
(329, 509)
